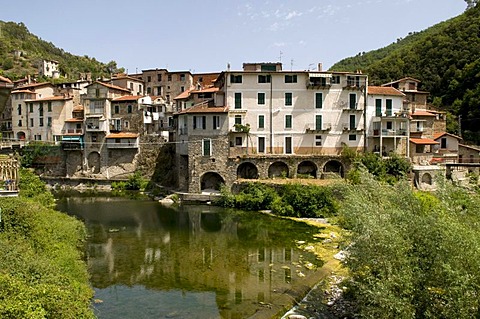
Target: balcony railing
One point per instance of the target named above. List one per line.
(72, 131)
(122, 144)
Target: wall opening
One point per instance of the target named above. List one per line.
(333, 169)
(278, 169)
(247, 170)
(307, 168)
(211, 182)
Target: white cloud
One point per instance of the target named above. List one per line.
(279, 44)
(293, 14)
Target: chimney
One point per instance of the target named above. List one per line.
(320, 67)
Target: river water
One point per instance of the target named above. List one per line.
(149, 261)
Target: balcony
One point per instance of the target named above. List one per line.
(313, 129)
(96, 126)
(72, 143)
(77, 131)
(347, 128)
(318, 83)
(122, 143)
(355, 83)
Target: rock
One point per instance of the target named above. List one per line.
(296, 317)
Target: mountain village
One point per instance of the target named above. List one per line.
(258, 122)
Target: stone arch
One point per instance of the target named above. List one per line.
(94, 162)
(21, 135)
(307, 168)
(247, 170)
(211, 181)
(210, 222)
(427, 179)
(332, 169)
(278, 169)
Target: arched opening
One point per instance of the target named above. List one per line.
(278, 169)
(94, 162)
(211, 181)
(21, 136)
(427, 179)
(247, 170)
(210, 222)
(333, 169)
(307, 169)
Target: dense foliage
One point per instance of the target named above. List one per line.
(445, 57)
(42, 274)
(412, 254)
(16, 38)
(292, 199)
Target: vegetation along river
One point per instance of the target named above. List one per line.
(149, 261)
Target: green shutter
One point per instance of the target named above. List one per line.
(378, 107)
(318, 100)
(206, 147)
(389, 107)
(288, 121)
(261, 121)
(318, 122)
(238, 100)
(288, 99)
(261, 98)
(353, 101)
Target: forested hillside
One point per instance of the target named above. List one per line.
(21, 51)
(445, 57)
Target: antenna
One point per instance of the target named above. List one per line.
(291, 65)
(280, 57)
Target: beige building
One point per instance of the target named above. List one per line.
(133, 84)
(49, 68)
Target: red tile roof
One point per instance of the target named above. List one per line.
(34, 85)
(436, 136)
(423, 141)
(128, 98)
(111, 86)
(51, 98)
(78, 108)
(475, 148)
(73, 120)
(206, 90)
(183, 95)
(381, 90)
(4, 79)
(22, 91)
(422, 113)
(203, 108)
(122, 135)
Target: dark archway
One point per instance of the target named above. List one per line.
(21, 136)
(247, 170)
(427, 179)
(307, 168)
(94, 162)
(278, 169)
(333, 169)
(211, 181)
(211, 222)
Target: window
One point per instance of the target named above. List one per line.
(97, 92)
(389, 125)
(238, 119)
(261, 98)
(149, 78)
(318, 100)
(19, 109)
(40, 109)
(182, 77)
(389, 107)
(149, 90)
(261, 144)
(207, 147)
(40, 122)
(288, 121)
(199, 122)
(30, 107)
(290, 78)
(182, 89)
(318, 140)
(129, 108)
(419, 126)
(443, 142)
(352, 137)
(159, 77)
(117, 109)
(378, 107)
(318, 122)
(235, 78)
(261, 121)
(238, 100)
(264, 78)
(131, 86)
(169, 77)
(335, 79)
(38, 137)
(31, 123)
(49, 107)
(19, 122)
(288, 145)
(352, 122)
(353, 101)
(288, 99)
(216, 122)
(238, 141)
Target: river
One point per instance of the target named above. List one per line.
(149, 261)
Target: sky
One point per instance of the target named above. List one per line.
(206, 36)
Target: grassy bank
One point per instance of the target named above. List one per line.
(42, 273)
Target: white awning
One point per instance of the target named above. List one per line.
(320, 75)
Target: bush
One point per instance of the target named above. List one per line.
(136, 182)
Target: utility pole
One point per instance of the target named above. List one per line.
(460, 125)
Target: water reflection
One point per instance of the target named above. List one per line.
(192, 262)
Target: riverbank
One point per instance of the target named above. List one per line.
(43, 274)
